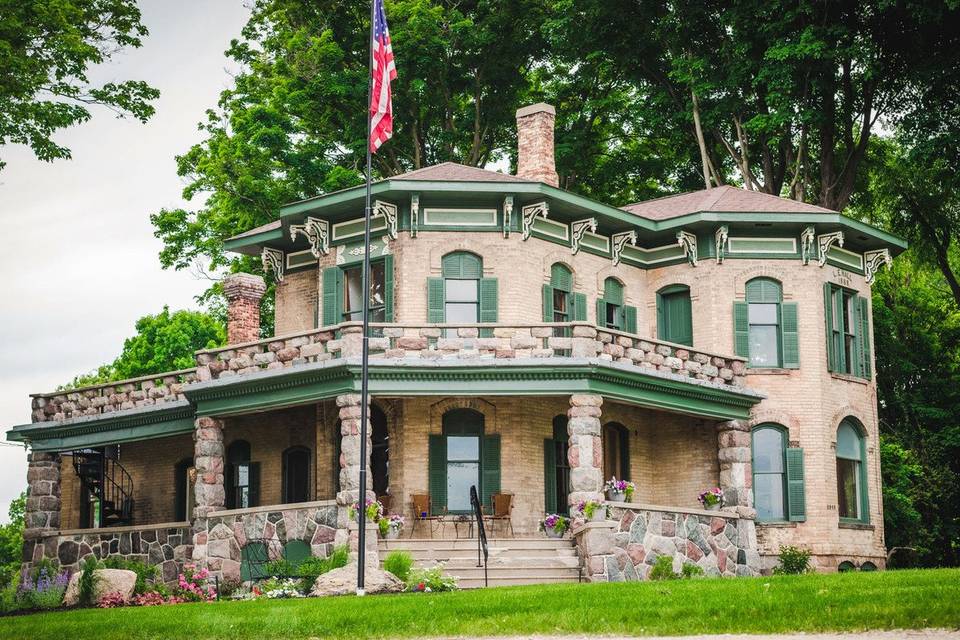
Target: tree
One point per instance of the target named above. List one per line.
(11, 541)
(46, 49)
(164, 342)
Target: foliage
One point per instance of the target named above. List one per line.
(43, 592)
(589, 508)
(146, 574)
(793, 561)
(8, 597)
(279, 568)
(399, 564)
(555, 522)
(192, 587)
(163, 342)
(620, 486)
(277, 589)
(155, 598)
(662, 569)
(374, 510)
(11, 541)
(711, 497)
(87, 583)
(46, 50)
(313, 566)
(430, 579)
(111, 600)
(688, 571)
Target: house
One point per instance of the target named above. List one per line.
(527, 341)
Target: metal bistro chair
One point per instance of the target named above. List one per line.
(502, 512)
(386, 500)
(421, 513)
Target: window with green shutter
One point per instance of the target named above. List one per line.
(463, 456)
(612, 313)
(462, 295)
(674, 315)
(847, 322)
(558, 298)
(556, 468)
(341, 297)
(852, 500)
(766, 329)
(778, 486)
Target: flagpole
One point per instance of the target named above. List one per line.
(365, 351)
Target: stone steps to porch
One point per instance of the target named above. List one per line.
(512, 561)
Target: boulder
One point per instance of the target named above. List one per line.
(107, 581)
(343, 581)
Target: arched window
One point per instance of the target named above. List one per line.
(560, 303)
(556, 467)
(242, 477)
(765, 327)
(675, 315)
(770, 472)
(462, 295)
(380, 452)
(183, 498)
(851, 472)
(616, 451)
(612, 313)
(296, 475)
(461, 457)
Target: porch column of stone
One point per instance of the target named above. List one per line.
(208, 490)
(41, 514)
(585, 452)
(733, 453)
(349, 494)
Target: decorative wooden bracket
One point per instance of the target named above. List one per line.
(618, 242)
(688, 241)
(414, 214)
(507, 215)
(824, 242)
(529, 213)
(720, 238)
(578, 229)
(317, 233)
(389, 213)
(807, 239)
(273, 261)
(873, 260)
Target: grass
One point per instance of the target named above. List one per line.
(839, 602)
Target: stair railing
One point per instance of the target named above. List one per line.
(113, 486)
(481, 533)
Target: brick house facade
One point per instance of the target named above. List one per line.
(527, 341)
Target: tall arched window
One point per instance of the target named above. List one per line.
(296, 475)
(462, 295)
(615, 440)
(851, 472)
(461, 457)
(675, 315)
(612, 313)
(556, 467)
(770, 472)
(380, 451)
(765, 327)
(183, 490)
(242, 477)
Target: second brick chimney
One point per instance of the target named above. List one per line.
(535, 159)
(244, 292)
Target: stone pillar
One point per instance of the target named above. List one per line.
(41, 513)
(733, 453)
(350, 450)
(244, 292)
(535, 158)
(585, 452)
(209, 491)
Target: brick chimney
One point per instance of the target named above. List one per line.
(244, 292)
(535, 159)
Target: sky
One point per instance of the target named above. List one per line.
(79, 264)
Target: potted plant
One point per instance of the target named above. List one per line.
(555, 525)
(373, 507)
(619, 490)
(391, 526)
(712, 499)
(592, 511)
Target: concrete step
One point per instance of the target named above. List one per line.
(438, 555)
(470, 578)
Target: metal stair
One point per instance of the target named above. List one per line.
(105, 478)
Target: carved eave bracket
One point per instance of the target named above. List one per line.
(807, 240)
(618, 242)
(273, 261)
(578, 229)
(824, 242)
(720, 238)
(530, 213)
(317, 233)
(507, 215)
(389, 213)
(414, 214)
(873, 260)
(688, 241)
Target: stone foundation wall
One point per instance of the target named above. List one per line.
(626, 547)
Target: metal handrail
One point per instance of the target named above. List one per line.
(481, 533)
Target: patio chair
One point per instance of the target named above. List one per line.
(387, 501)
(502, 512)
(421, 513)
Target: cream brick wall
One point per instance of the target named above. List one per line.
(296, 302)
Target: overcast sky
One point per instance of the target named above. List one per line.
(79, 261)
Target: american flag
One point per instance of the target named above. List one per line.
(384, 70)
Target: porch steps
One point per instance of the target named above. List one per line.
(512, 561)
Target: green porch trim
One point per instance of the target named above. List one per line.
(109, 428)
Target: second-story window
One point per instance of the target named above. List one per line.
(341, 298)
(353, 293)
(462, 295)
(765, 327)
(612, 313)
(674, 315)
(848, 331)
(560, 303)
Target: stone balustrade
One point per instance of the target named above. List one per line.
(111, 396)
(452, 341)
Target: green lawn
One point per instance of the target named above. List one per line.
(852, 601)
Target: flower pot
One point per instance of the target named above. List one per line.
(714, 507)
(552, 533)
(598, 516)
(616, 496)
(393, 533)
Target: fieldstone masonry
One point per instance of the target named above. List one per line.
(585, 452)
(244, 292)
(209, 489)
(42, 509)
(349, 405)
(736, 477)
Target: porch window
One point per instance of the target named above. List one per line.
(851, 473)
(296, 475)
(556, 468)
(462, 295)
(615, 440)
(612, 313)
(341, 297)
(242, 477)
(380, 451)
(463, 456)
(848, 331)
(674, 315)
(765, 327)
(183, 498)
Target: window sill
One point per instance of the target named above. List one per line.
(777, 524)
(863, 526)
(773, 371)
(846, 377)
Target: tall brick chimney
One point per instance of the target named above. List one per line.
(535, 159)
(244, 292)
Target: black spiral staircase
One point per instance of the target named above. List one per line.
(108, 482)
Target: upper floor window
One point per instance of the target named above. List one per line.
(560, 303)
(674, 315)
(778, 482)
(851, 472)
(462, 295)
(612, 313)
(765, 327)
(848, 331)
(342, 292)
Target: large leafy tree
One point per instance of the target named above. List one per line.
(11, 541)
(46, 50)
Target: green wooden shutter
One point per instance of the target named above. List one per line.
(863, 331)
(550, 475)
(630, 319)
(796, 500)
(254, 484)
(547, 303)
(437, 473)
(332, 291)
(601, 313)
(490, 464)
(488, 304)
(579, 307)
(682, 319)
(561, 278)
(388, 288)
(435, 300)
(828, 323)
(663, 332)
(741, 329)
(789, 335)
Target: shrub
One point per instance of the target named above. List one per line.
(111, 600)
(8, 597)
(47, 565)
(281, 567)
(432, 579)
(228, 586)
(793, 561)
(313, 566)
(87, 583)
(399, 563)
(191, 587)
(146, 574)
(691, 571)
(44, 593)
(663, 569)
